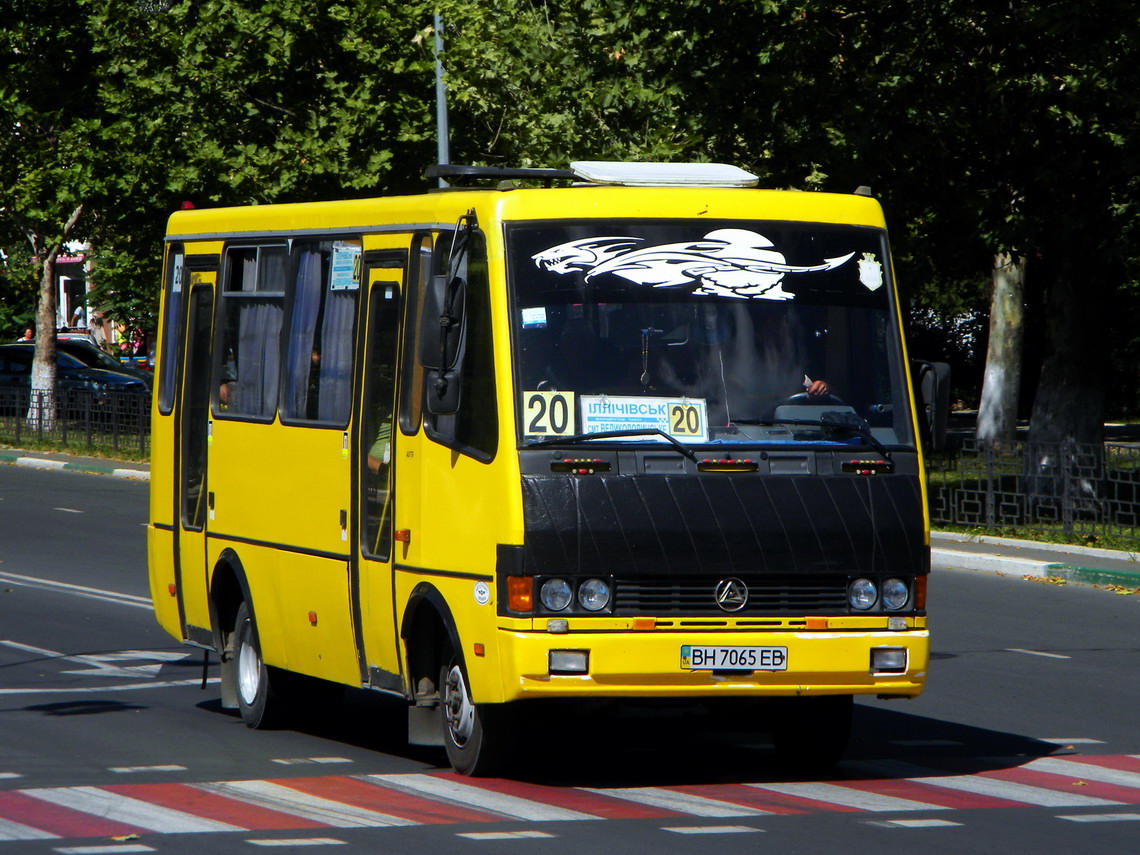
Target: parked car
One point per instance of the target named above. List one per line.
(81, 390)
(93, 356)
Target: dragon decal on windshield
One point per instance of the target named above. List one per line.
(725, 263)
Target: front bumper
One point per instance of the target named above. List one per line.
(648, 663)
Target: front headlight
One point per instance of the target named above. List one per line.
(555, 594)
(861, 594)
(594, 595)
(896, 592)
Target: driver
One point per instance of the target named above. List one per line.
(744, 360)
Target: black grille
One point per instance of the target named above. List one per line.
(766, 596)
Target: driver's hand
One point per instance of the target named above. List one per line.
(818, 389)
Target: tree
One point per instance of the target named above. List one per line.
(48, 167)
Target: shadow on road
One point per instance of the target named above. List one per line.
(629, 746)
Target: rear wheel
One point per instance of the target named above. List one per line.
(811, 734)
(257, 699)
(473, 734)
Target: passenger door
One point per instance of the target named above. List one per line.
(373, 607)
(194, 427)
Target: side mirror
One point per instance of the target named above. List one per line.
(443, 332)
(932, 383)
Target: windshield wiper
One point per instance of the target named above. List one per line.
(846, 422)
(579, 438)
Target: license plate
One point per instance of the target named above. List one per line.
(705, 657)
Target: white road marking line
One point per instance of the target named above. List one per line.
(70, 511)
(304, 761)
(78, 590)
(847, 796)
(502, 835)
(679, 802)
(287, 800)
(1037, 653)
(126, 770)
(100, 665)
(87, 690)
(7, 775)
(918, 823)
(711, 829)
(10, 830)
(108, 849)
(1078, 740)
(298, 841)
(1077, 769)
(1103, 817)
(466, 795)
(1014, 792)
(127, 810)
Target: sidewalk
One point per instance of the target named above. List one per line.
(1078, 564)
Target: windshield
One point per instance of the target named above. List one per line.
(730, 333)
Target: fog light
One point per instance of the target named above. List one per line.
(861, 594)
(555, 594)
(890, 660)
(569, 661)
(594, 595)
(896, 593)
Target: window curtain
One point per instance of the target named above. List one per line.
(258, 356)
(302, 330)
(336, 356)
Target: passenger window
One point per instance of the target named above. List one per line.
(322, 326)
(253, 303)
(171, 332)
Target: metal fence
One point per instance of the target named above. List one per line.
(1081, 491)
(78, 420)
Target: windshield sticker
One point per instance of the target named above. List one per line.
(685, 419)
(534, 318)
(549, 413)
(870, 272)
(725, 263)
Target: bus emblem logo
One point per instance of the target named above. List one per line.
(731, 594)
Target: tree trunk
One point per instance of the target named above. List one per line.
(41, 405)
(1001, 386)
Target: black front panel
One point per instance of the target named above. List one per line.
(666, 540)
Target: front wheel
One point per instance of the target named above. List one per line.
(473, 734)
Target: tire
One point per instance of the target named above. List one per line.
(257, 701)
(473, 734)
(810, 735)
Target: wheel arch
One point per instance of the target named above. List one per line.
(229, 588)
(427, 626)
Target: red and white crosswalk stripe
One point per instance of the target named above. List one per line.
(401, 800)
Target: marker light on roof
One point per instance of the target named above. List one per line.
(663, 174)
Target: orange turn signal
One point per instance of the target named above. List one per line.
(920, 592)
(520, 593)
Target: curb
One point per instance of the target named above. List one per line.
(90, 469)
(987, 563)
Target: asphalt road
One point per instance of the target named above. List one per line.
(1025, 740)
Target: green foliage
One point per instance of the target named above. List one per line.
(981, 127)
